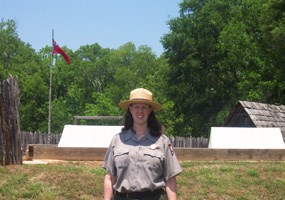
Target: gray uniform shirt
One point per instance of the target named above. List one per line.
(140, 165)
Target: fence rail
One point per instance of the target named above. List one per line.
(42, 138)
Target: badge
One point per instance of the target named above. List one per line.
(153, 146)
(171, 149)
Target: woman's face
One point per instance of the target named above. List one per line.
(140, 112)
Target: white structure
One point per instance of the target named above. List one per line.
(87, 135)
(246, 138)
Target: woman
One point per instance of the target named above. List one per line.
(140, 161)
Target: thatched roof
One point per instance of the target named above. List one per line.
(260, 115)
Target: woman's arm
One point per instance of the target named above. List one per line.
(171, 188)
(109, 181)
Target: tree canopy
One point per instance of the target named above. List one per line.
(221, 51)
(216, 53)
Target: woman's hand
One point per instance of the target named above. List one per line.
(109, 181)
(171, 188)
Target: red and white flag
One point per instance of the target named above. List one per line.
(58, 50)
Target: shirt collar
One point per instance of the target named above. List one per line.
(130, 134)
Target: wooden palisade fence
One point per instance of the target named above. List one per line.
(42, 138)
(10, 141)
(38, 138)
(13, 142)
(189, 142)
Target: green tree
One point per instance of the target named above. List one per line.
(273, 46)
(216, 55)
(102, 106)
(19, 59)
(128, 71)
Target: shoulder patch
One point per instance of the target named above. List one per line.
(171, 149)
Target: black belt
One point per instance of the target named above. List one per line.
(139, 195)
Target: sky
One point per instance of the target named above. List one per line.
(110, 23)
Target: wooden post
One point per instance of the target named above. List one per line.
(3, 130)
(11, 152)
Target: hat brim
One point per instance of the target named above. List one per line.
(155, 106)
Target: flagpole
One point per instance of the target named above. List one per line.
(50, 91)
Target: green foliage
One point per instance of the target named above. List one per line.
(216, 53)
(219, 52)
(203, 180)
(20, 60)
(102, 106)
(93, 84)
(253, 173)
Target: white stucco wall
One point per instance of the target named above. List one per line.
(246, 138)
(87, 135)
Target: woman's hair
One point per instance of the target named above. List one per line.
(155, 127)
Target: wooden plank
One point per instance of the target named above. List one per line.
(205, 154)
(183, 154)
(65, 153)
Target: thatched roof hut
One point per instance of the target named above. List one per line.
(260, 115)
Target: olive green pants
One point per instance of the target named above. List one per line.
(156, 197)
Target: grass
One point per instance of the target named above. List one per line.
(199, 180)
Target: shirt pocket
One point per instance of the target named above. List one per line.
(121, 157)
(154, 159)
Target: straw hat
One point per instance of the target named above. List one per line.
(140, 95)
